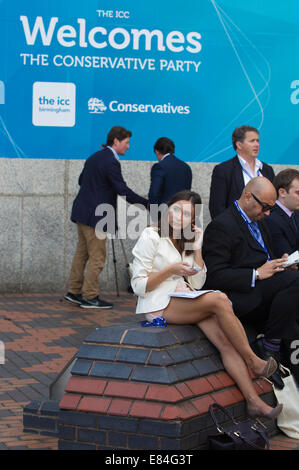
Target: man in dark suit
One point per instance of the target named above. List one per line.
(230, 177)
(238, 254)
(100, 183)
(170, 175)
(283, 222)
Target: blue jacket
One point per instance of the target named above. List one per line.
(285, 239)
(227, 184)
(168, 177)
(100, 182)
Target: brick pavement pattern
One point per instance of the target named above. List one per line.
(41, 333)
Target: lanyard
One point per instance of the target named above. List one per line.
(261, 243)
(247, 172)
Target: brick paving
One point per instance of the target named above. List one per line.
(41, 333)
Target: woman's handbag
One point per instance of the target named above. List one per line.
(288, 419)
(246, 435)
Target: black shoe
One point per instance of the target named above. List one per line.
(74, 298)
(95, 303)
(260, 350)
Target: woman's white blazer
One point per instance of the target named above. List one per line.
(152, 254)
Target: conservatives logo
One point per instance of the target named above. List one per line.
(97, 106)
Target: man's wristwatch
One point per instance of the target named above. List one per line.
(257, 276)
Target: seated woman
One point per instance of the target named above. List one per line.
(167, 260)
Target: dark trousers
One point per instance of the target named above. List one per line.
(277, 315)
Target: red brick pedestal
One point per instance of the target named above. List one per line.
(134, 387)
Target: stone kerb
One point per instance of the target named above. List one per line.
(134, 387)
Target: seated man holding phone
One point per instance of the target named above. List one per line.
(238, 253)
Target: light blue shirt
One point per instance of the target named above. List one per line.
(284, 208)
(114, 153)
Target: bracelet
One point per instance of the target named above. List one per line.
(257, 275)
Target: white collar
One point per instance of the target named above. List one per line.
(244, 164)
(166, 154)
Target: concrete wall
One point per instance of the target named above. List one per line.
(37, 239)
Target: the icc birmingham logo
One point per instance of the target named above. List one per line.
(96, 106)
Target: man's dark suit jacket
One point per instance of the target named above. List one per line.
(285, 238)
(231, 253)
(227, 184)
(168, 177)
(100, 182)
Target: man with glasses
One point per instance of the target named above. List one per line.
(237, 250)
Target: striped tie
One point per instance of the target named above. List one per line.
(258, 236)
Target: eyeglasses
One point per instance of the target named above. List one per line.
(265, 207)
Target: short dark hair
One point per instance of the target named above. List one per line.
(285, 178)
(164, 145)
(119, 133)
(239, 134)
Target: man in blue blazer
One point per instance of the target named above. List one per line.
(230, 177)
(283, 222)
(100, 183)
(170, 175)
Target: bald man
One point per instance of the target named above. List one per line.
(237, 251)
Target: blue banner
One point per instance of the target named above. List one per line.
(190, 71)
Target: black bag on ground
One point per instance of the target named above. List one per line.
(246, 435)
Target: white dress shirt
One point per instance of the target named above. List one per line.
(246, 169)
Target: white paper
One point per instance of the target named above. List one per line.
(192, 294)
(292, 259)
